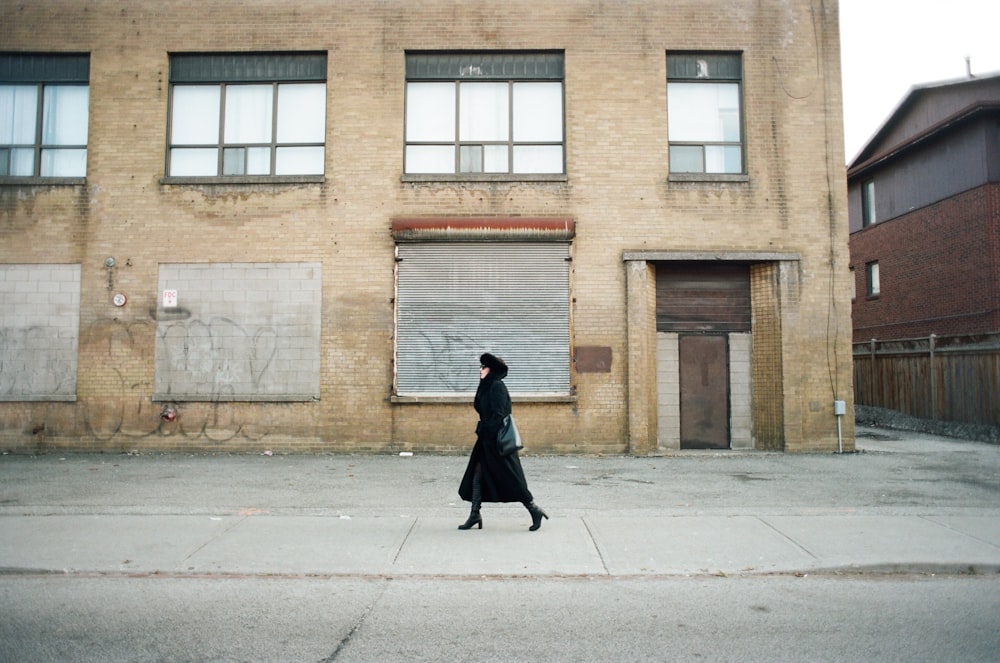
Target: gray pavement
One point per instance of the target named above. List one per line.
(904, 503)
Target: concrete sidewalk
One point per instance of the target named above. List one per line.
(906, 503)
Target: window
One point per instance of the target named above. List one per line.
(456, 300)
(473, 113)
(704, 120)
(871, 273)
(44, 102)
(247, 115)
(868, 203)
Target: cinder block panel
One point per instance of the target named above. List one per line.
(39, 332)
(265, 347)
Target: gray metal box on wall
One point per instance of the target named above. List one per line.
(238, 332)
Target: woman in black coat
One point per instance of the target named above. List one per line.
(489, 476)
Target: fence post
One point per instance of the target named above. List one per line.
(875, 400)
(933, 378)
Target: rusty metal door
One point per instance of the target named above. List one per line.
(704, 385)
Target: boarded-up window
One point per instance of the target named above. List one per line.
(239, 332)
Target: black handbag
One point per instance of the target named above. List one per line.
(508, 437)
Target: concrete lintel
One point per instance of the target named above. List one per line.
(734, 256)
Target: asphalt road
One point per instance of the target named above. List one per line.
(772, 619)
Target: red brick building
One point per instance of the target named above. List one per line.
(924, 207)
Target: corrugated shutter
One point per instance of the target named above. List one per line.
(702, 297)
(457, 300)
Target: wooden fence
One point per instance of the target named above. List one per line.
(946, 378)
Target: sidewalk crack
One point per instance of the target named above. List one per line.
(402, 544)
(217, 536)
(593, 542)
(788, 538)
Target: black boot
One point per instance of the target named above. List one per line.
(477, 501)
(474, 519)
(536, 515)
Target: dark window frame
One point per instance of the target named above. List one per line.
(709, 67)
(873, 280)
(225, 70)
(43, 71)
(510, 67)
(868, 213)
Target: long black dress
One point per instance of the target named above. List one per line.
(501, 478)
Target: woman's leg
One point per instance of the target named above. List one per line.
(477, 501)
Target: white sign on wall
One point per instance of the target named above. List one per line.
(169, 299)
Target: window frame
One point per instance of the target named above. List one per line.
(868, 212)
(873, 284)
(43, 72)
(470, 67)
(696, 67)
(223, 71)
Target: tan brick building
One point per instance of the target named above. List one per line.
(295, 225)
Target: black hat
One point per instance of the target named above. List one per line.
(492, 362)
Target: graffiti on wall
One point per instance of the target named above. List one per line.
(115, 404)
(36, 365)
(218, 359)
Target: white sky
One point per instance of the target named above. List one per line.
(888, 46)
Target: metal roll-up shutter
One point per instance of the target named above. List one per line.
(457, 300)
(702, 297)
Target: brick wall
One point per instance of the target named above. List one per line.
(939, 269)
(617, 189)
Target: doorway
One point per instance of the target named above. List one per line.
(704, 391)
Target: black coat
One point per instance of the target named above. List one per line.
(501, 479)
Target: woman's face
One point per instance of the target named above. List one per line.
(483, 372)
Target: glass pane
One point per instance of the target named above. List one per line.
(483, 112)
(430, 159)
(538, 113)
(703, 112)
(22, 162)
(299, 161)
(18, 110)
(64, 115)
(259, 160)
(723, 159)
(195, 119)
(64, 163)
(197, 162)
(430, 113)
(234, 161)
(868, 202)
(538, 159)
(246, 161)
(687, 159)
(470, 159)
(4, 162)
(495, 159)
(249, 110)
(302, 113)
